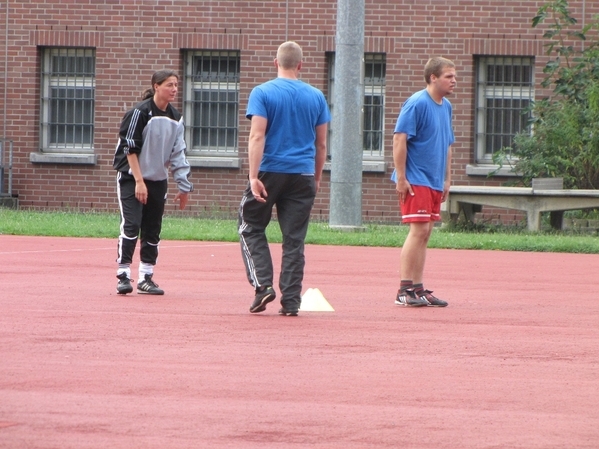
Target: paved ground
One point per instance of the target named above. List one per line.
(513, 362)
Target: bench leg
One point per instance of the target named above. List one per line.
(556, 218)
(469, 210)
(533, 218)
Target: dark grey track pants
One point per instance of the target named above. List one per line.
(293, 195)
(140, 220)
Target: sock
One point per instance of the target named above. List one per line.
(145, 268)
(124, 268)
(418, 288)
(405, 284)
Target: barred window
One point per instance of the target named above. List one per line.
(67, 102)
(504, 91)
(374, 102)
(211, 102)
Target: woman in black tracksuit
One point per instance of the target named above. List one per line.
(151, 139)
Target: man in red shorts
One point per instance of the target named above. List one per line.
(422, 157)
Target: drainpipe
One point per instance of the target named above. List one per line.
(4, 86)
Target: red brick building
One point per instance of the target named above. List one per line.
(71, 68)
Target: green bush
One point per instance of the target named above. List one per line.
(564, 142)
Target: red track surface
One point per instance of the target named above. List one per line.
(513, 362)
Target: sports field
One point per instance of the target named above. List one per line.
(513, 362)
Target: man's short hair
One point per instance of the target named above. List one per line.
(435, 66)
(289, 55)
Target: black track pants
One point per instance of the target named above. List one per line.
(140, 220)
(293, 195)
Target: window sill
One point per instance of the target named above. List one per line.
(487, 169)
(214, 161)
(63, 158)
(367, 166)
(235, 162)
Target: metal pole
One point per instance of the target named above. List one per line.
(346, 140)
(10, 169)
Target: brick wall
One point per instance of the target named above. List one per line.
(133, 38)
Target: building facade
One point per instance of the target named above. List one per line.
(70, 70)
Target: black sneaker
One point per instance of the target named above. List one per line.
(431, 301)
(408, 298)
(262, 298)
(283, 311)
(124, 286)
(149, 287)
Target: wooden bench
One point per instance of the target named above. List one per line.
(532, 200)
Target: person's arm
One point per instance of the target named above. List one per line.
(400, 155)
(130, 144)
(321, 152)
(141, 191)
(255, 153)
(447, 182)
(180, 168)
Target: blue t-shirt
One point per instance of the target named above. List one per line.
(293, 110)
(430, 133)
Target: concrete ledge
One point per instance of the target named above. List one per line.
(367, 166)
(487, 169)
(63, 158)
(548, 183)
(347, 228)
(214, 161)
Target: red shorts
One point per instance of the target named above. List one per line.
(424, 206)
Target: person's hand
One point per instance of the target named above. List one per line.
(258, 190)
(403, 188)
(141, 192)
(445, 191)
(182, 197)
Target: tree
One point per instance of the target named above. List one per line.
(565, 126)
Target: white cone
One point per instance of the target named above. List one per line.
(314, 301)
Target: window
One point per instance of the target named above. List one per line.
(67, 106)
(211, 102)
(374, 103)
(504, 91)
(374, 96)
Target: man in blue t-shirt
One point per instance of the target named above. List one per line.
(286, 154)
(422, 157)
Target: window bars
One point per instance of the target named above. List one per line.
(504, 91)
(373, 104)
(211, 101)
(67, 102)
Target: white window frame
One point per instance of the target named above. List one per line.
(217, 139)
(67, 124)
(507, 122)
(373, 158)
(374, 87)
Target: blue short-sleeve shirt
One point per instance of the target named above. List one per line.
(429, 129)
(293, 110)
